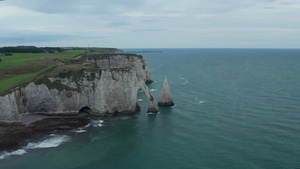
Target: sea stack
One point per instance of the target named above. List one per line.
(165, 99)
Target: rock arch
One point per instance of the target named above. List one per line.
(152, 104)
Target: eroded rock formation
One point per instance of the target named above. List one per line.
(165, 99)
(108, 86)
(66, 96)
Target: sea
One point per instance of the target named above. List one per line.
(234, 109)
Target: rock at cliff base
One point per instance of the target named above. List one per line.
(165, 99)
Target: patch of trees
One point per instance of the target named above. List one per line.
(96, 49)
(105, 50)
(30, 49)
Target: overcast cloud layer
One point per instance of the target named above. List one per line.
(151, 23)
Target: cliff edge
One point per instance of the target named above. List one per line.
(69, 94)
(103, 84)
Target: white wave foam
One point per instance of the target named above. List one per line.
(8, 154)
(150, 113)
(53, 141)
(202, 101)
(185, 82)
(80, 131)
(88, 125)
(153, 90)
(140, 100)
(97, 123)
(94, 139)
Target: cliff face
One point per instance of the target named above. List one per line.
(123, 61)
(8, 108)
(105, 85)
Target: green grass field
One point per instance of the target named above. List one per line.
(16, 69)
(24, 58)
(14, 81)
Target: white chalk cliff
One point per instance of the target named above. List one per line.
(108, 87)
(165, 98)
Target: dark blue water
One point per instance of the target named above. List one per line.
(235, 108)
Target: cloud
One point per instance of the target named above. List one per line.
(76, 6)
(25, 37)
(150, 23)
(116, 7)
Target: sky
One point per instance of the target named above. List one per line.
(151, 23)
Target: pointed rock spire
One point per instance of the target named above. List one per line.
(165, 99)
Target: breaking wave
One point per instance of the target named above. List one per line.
(54, 140)
(51, 141)
(8, 154)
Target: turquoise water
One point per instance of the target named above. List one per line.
(235, 108)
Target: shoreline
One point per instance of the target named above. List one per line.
(13, 134)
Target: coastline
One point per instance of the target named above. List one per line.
(13, 134)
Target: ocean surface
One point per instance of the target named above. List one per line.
(235, 108)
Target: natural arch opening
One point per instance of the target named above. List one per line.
(85, 110)
(142, 101)
(152, 105)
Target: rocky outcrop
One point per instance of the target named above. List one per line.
(8, 108)
(104, 90)
(67, 96)
(165, 99)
